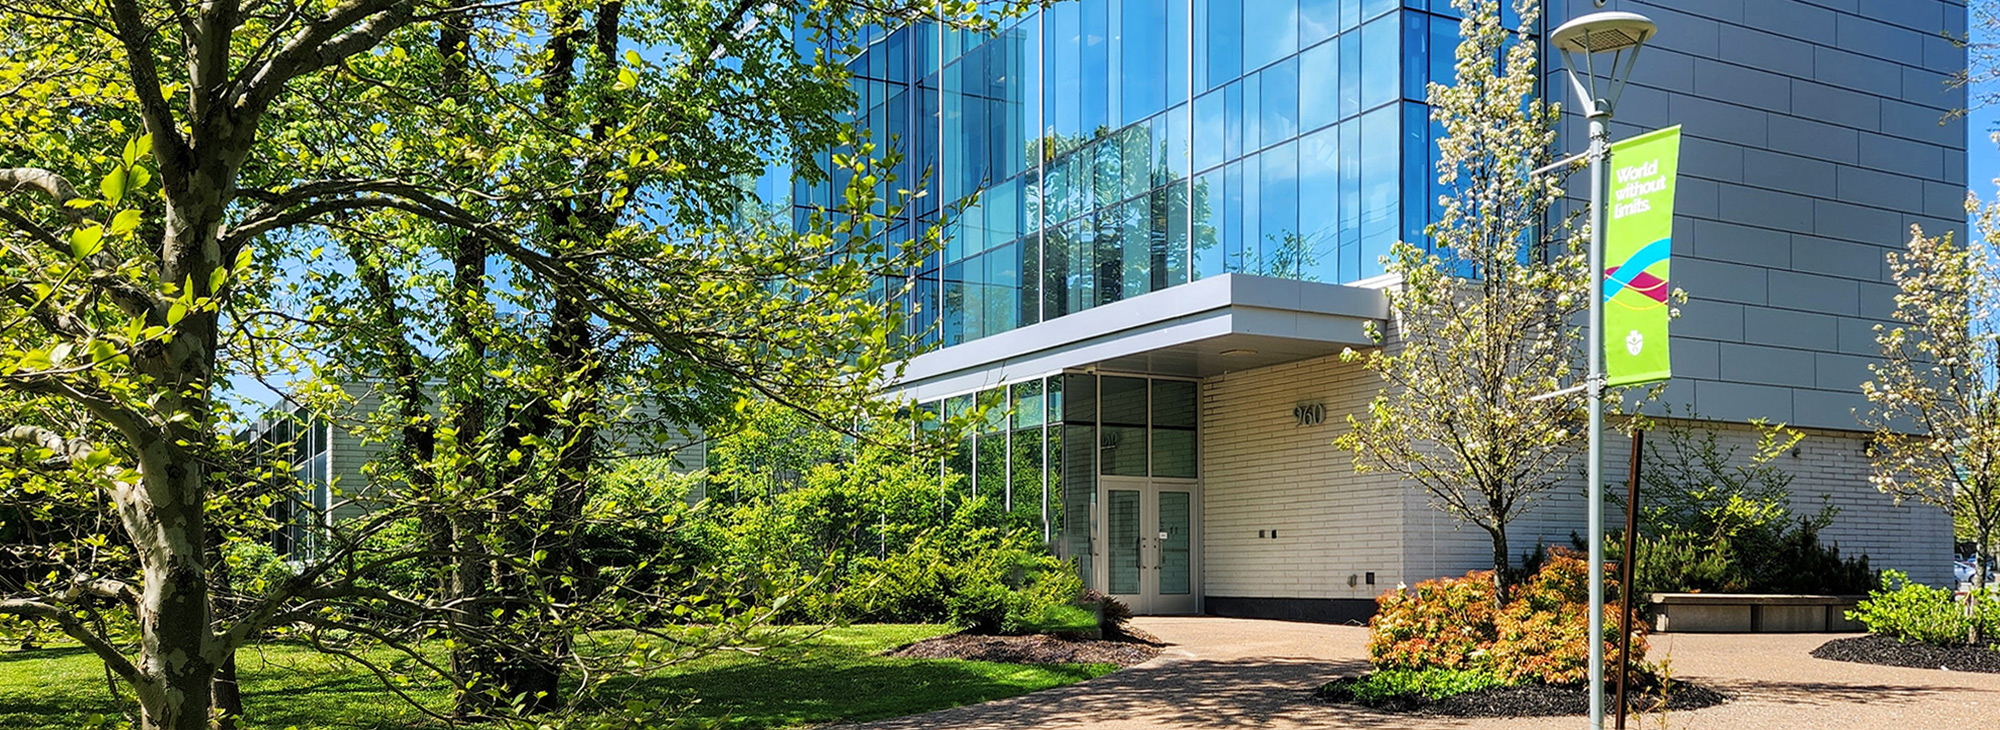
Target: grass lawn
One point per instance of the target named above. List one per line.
(837, 676)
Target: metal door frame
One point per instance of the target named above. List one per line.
(1148, 600)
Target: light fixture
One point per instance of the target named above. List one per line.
(1619, 34)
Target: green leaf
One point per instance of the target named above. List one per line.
(97, 459)
(113, 185)
(60, 353)
(177, 312)
(33, 360)
(242, 259)
(125, 222)
(86, 241)
(216, 279)
(626, 80)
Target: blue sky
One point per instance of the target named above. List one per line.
(1982, 156)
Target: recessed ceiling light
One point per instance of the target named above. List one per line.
(1238, 352)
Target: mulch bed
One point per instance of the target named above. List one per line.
(1532, 700)
(1872, 649)
(1123, 651)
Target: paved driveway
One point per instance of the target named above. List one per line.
(1231, 673)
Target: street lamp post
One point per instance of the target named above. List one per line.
(1619, 36)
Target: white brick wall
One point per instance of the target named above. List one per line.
(1262, 472)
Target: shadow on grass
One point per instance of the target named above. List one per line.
(59, 652)
(761, 693)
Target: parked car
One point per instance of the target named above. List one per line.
(1961, 570)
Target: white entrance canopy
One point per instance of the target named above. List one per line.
(1207, 327)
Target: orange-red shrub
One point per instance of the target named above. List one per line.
(1540, 635)
(1444, 623)
(1544, 632)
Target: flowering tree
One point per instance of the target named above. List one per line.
(1933, 402)
(1487, 315)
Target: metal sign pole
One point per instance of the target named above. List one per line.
(1627, 565)
(1600, 184)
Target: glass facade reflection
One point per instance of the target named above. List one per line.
(1041, 444)
(1119, 147)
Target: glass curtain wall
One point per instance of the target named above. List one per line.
(304, 445)
(1098, 150)
(1041, 444)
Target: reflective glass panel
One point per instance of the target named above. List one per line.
(1079, 479)
(1319, 86)
(1280, 113)
(1380, 182)
(1224, 40)
(1318, 20)
(1270, 31)
(1205, 208)
(1026, 503)
(1319, 204)
(1380, 62)
(1176, 569)
(1125, 541)
(1123, 442)
(1284, 251)
(1144, 58)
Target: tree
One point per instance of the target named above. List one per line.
(1934, 404)
(156, 161)
(133, 145)
(1485, 318)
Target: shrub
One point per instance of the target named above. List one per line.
(1446, 623)
(969, 572)
(1111, 612)
(1916, 612)
(829, 530)
(1540, 635)
(1061, 619)
(1714, 519)
(1543, 634)
(1432, 684)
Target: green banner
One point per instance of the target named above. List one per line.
(1637, 247)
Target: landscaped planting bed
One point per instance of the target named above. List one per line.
(1123, 651)
(1451, 647)
(1531, 700)
(1887, 651)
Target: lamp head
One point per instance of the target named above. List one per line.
(1616, 34)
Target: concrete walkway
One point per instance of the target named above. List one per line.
(1230, 673)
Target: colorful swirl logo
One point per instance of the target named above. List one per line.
(1631, 275)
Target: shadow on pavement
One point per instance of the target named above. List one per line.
(1829, 693)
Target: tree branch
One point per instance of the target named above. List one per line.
(54, 186)
(135, 36)
(113, 659)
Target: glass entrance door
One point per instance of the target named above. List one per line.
(1151, 552)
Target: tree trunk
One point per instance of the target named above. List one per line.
(225, 694)
(1978, 592)
(168, 523)
(228, 695)
(1503, 567)
(173, 616)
